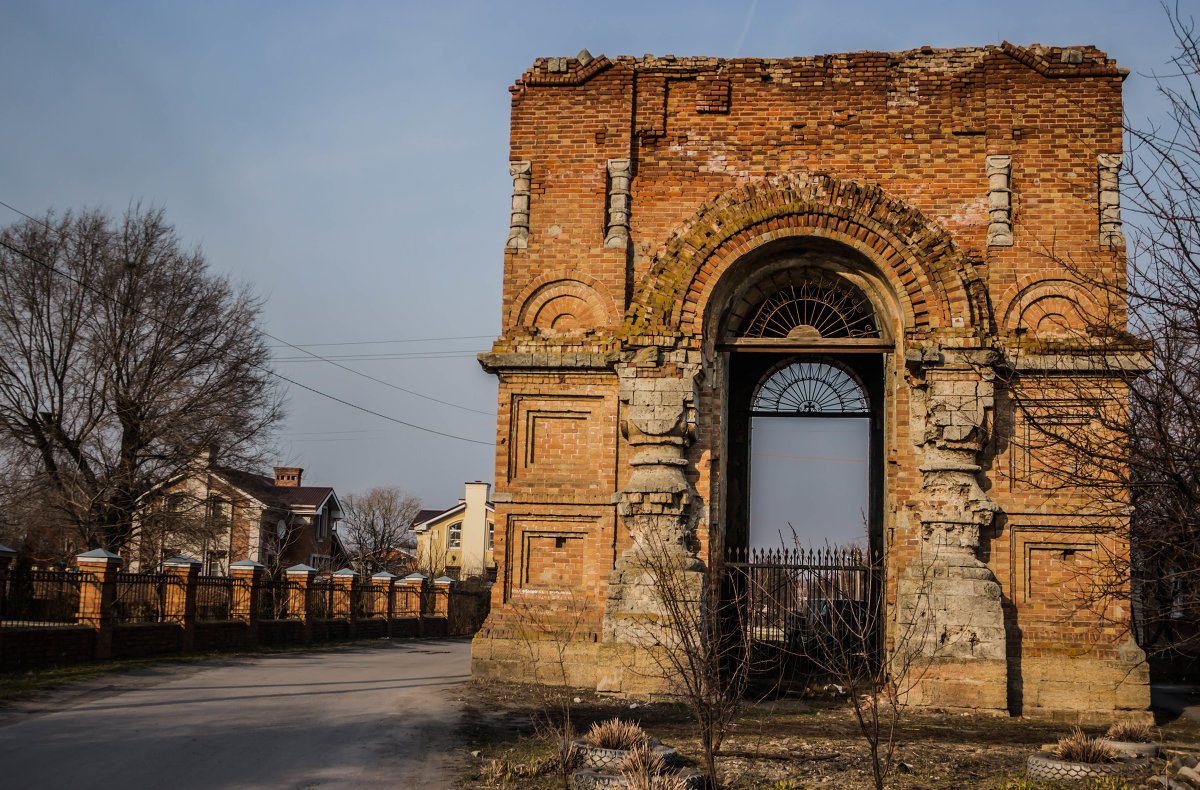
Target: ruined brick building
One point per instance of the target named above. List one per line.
(688, 233)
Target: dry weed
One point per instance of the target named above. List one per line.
(1130, 732)
(615, 734)
(1081, 748)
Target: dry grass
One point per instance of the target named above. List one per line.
(615, 734)
(1130, 732)
(647, 771)
(1079, 747)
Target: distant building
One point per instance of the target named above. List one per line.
(458, 542)
(218, 515)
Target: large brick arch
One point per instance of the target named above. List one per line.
(933, 279)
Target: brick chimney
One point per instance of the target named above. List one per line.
(288, 476)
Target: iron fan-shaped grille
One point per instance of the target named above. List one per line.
(818, 307)
(810, 387)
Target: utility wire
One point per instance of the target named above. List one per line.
(267, 370)
(386, 342)
(281, 341)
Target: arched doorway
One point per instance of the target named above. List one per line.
(805, 351)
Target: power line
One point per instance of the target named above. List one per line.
(386, 342)
(283, 342)
(263, 368)
(340, 366)
(458, 354)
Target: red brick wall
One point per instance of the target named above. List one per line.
(707, 136)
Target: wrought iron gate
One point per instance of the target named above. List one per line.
(808, 612)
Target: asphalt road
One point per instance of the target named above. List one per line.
(354, 717)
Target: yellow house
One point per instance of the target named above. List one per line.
(458, 542)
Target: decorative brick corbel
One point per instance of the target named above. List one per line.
(999, 174)
(620, 173)
(1108, 168)
(518, 232)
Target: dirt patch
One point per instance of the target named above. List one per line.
(779, 745)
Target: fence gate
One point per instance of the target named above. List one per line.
(806, 614)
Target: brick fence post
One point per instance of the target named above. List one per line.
(97, 595)
(301, 578)
(343, 597)
(381, 588)
(246, 600)
(413, 587)
(441, 597)
(183, 580)
(6, 558)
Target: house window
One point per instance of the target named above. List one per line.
(322, 525)
(174, 503)
(491, 536)
(455, 536)
(219, 509)
(322, 562)
(214, 563)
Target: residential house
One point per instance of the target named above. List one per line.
(218, 515)
(458, 542)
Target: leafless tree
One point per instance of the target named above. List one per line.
(121, 357)
(549, 625)
(698, 642)
(869, 654)
(1113, 427)
(378, 529)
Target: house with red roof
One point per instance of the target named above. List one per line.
(220, 515)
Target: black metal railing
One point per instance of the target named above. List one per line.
(142, 597)
(362, 599)
(36, 598)
(214, 597)
(278, 600)
(809, 604)
(320, 598)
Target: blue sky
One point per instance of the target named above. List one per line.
(350, 160)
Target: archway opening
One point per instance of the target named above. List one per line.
(805, 352)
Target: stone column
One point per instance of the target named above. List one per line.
(179, 605)
(246, 603)
(97, 594)
(656, 506)
(948, 607)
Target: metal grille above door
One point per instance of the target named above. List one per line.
(810, 387)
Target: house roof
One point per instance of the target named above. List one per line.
(426, 518)
(263, 489)
(424, 515)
